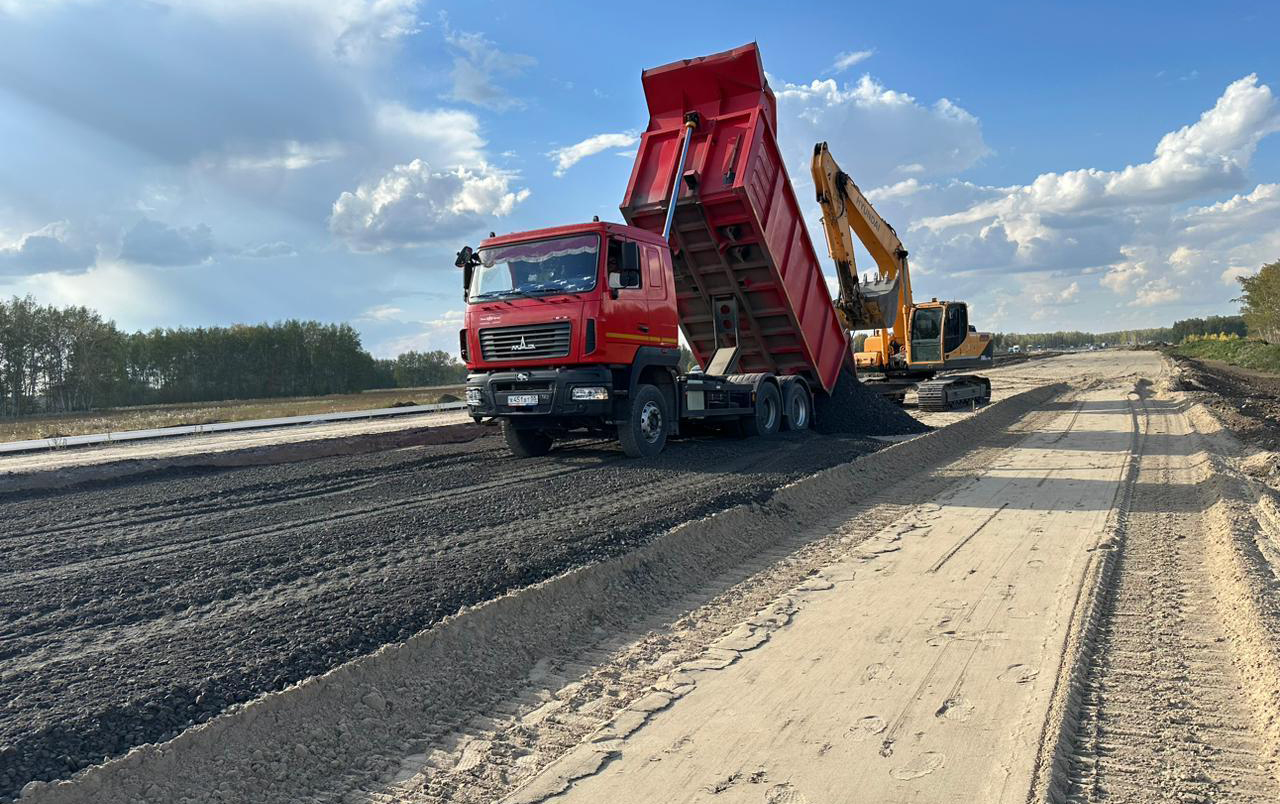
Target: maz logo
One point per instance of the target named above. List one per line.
(523, 345)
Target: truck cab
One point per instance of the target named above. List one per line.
(561, 324)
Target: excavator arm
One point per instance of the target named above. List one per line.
(879, 303)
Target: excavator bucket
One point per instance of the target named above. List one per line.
(879, 301)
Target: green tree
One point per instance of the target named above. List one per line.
(1261, 302)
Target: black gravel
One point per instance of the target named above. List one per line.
(854, 409)
(131, 609)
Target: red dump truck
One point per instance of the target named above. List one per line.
(575, 328)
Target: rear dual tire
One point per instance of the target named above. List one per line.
(797, 405)
(767, 418)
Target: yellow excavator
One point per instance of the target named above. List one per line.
(912, 341)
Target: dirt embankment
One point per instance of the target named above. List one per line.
(1247, 401)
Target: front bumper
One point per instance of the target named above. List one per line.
(553, 387)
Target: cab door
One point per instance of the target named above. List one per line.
(663, 326)
(924, 344)
(624, 311)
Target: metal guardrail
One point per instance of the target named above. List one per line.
(219, 427)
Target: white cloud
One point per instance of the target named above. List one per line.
(1205, 156)
(440, 136)
(902, 189)
(571, 155)
(477, 64)
(1156, 292)
(382, 312)
(1131, 228)
(878, 135)
(849, 58)
(414, 205)
(1065, 295)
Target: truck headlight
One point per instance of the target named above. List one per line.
(589, 393)
(473, 396)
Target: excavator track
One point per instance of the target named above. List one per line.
(952, 392)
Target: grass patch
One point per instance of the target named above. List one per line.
(1255, 355)
(114, 420)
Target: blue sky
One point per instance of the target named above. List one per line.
(197, 162)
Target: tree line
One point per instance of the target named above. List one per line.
(1074, 339)
(55, 360)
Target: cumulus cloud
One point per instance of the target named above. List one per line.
(414, 205)
(1205, 156)
(477, 65)
(151, 242)
(43, 251)
(849, 58)
(1132, 231)
(571, 155)
(879, 135)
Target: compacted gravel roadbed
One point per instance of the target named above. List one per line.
(131, 609)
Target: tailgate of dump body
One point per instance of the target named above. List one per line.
(738, 231)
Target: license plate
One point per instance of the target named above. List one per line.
(522, 400)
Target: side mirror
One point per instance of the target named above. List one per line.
(630, 259)
(467, 260)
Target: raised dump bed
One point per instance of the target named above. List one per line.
(738, 236)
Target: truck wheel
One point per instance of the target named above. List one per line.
(798, 407)
(768, 416)
(525, 443)
(644, 433)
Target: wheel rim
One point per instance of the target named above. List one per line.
(799, 411)
(651, 422)
(770, 413)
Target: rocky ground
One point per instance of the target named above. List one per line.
(132, 609)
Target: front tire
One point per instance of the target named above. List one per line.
(768, 415)
(644, 433)
(525, 443)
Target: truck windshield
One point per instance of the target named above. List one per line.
(559, 265)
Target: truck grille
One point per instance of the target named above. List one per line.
(525, 343)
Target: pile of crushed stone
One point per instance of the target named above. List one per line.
(853, 408)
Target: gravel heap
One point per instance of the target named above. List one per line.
(854, 409)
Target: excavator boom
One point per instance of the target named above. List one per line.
(912, 342)
(879, 303)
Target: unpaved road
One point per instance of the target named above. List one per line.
(1071, 599)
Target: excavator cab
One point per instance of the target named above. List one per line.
(924, 341)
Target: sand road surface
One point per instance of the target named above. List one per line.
(1067, 597)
